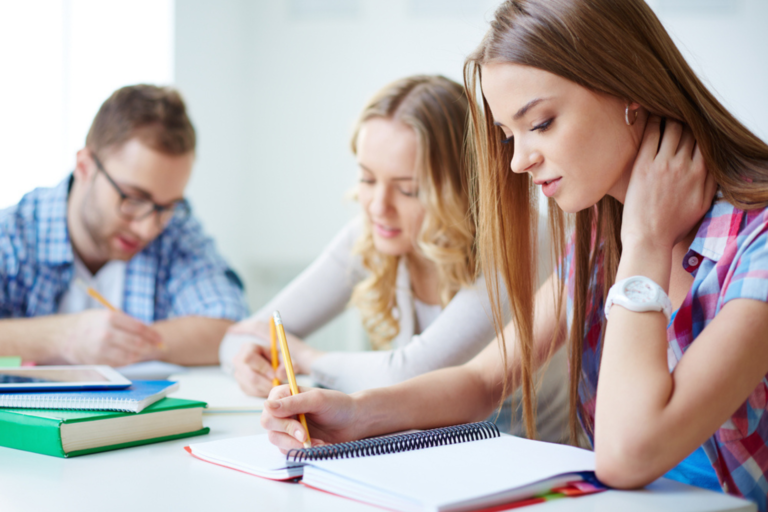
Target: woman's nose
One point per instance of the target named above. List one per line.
(523, 159)
(380, 202)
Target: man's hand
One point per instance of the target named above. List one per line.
(100, 336)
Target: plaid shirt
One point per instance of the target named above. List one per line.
(178, 274)
(729, 260)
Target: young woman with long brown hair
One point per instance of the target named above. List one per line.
(408, 264)
(662, 286)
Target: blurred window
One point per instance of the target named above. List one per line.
(60, 59)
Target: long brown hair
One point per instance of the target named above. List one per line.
(615, 47)
(436, 109)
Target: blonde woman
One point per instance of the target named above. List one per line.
(408, 264)
(662, 291)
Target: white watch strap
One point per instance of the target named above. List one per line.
(651, 296)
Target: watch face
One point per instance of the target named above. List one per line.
(639, 291)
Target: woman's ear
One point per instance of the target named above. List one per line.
(636, 116)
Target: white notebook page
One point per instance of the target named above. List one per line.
(449, 474)
(250, 454)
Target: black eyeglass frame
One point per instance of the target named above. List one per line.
(179, 208)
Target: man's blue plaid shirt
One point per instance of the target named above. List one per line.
(178, 274)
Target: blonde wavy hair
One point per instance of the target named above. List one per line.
(577, 40)
(436, 109)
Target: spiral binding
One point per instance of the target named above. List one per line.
(399, 443)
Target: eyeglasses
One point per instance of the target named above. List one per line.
(136, 208)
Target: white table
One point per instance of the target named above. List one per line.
(163, 477)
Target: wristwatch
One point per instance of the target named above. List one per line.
(640, 294)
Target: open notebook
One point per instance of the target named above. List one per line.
(465, 467)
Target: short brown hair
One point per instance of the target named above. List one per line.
(155, 115)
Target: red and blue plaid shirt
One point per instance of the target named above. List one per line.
(729, 260)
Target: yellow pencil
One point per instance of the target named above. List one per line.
(289, 370)
(275, 359)
(96, 295)
(100, 298)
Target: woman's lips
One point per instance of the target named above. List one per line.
(386, 232)
(550, 187)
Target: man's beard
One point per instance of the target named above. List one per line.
(93, 223)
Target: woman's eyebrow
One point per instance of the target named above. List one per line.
(524, 110)
(528, 106)
(401, 178)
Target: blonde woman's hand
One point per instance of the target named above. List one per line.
(331, 417)
(302, 354)
(669, 190)
(253, 369)
(251, 327)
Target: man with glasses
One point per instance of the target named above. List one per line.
(119, 225)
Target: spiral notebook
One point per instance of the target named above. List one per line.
(464, 467)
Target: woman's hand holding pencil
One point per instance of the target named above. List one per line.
(255, 367)
(330, 416)
(254, 371)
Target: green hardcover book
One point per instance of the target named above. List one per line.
(71, 433)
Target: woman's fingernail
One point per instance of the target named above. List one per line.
(299, 435)
(272, 404)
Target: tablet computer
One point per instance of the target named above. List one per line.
(62, 378)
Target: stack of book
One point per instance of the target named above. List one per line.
(71, 423)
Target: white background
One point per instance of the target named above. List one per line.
(60, 59)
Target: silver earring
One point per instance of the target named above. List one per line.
(626, 116)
